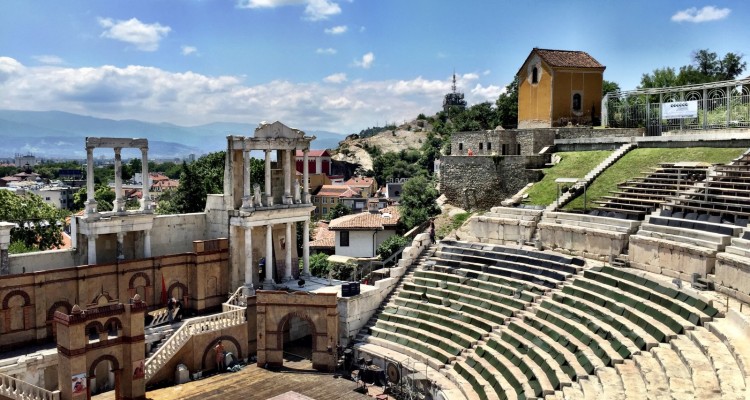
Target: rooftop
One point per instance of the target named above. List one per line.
(385, 218)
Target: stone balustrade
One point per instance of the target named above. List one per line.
(17, 389)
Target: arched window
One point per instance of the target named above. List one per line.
(577, 102)
(535, 75)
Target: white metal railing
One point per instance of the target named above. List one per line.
(17, 389)
(232, 314)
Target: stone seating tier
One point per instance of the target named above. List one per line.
(534, 289)
(544, 267)
(512, 250)
(515, 271)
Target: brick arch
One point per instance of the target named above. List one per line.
(97, 324)
(99, 296)
(109, 321)
(213, 343)
(17, 292)
(104, 357)
(283, 321)
(55, 306)
(131, 283)
(177, 285)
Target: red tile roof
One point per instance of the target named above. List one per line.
(367, 221)
(567, 58)
(313, 153)
(360, 181)
(337, 191)
(324, 238)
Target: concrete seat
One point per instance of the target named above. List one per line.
(556, 343)
(456, 336)
(591, 347)
(459, 302)
(434, 356)
(541, 355)
(731, 376)
(469, 296)
(504, 281)
(507, 364)
(705, 381)
(474, 380)
(680, 382)
(655, 378)
(529, 361)
(632, 381)
(455, 324)
(516, 262)
(470, 321)
(453, 266)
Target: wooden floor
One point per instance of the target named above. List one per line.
(257, 383)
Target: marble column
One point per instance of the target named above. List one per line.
(269, 192)
(287, 177)
(306, 248)
(268, 282)
(92, 249)
(120, 245)
(246, 195)
(305, 177)
(147, 243)
(249, 257)
(119, 203)
(146, 188)
(288, 252)
(90, 190)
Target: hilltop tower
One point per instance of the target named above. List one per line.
(454, 98)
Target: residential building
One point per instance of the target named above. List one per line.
(318, 161)
(558, 87)
(366, 185)
(359, 235)
(327, 196)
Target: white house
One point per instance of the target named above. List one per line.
(359, 235)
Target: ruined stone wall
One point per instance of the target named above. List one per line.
(480, 143)
(590, 133)
(534, 140)
(480, 182)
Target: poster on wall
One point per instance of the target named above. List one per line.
(79, 384)
(139, 369)
(679, 109)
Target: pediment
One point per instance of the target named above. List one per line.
(277, 130)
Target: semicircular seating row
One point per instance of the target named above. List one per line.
(509, 323)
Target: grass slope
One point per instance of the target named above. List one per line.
(639, 160)
(573, 164)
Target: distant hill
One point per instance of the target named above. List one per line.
(56, 134)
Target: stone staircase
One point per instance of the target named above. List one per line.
(577, 189)
(406, 277)
(16, 389)
(233, 314)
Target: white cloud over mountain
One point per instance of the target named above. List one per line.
(335, 103)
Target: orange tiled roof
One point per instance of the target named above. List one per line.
(337, 191)
(360, 181)
(568, 58)
(367, 221)
(324, 238)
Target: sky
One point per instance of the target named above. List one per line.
(335, 65)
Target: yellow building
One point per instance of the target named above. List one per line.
(557, 87)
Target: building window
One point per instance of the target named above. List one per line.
(481, 146)
(325, 210)
(505, 149)
(535, 75)
(344, 239)
(577, 102)
(518, 149)
(489, 146)
(460, 146)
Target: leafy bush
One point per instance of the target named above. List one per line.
(391, 245)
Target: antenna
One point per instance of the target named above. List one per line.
(454, 81)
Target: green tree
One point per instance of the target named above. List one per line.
(39, 224)
(609, 86)
(191, 193)
(430, 151)
(659, 78)
(707, 62)
(319, 265)
(337, 211)
(391, 245)
(507, 105)
(417, 202)
(103, 195)
(731, 66)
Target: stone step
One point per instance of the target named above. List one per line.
(680, 382)
(656, 381)
(731, 379)
(573, 392)
(704, 379)
(611, 383)
(592, 388)
(736, 340)
(632, 381)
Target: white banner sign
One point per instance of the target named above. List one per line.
(679, 109)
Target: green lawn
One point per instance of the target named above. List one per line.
(640, 160)
(574, 164)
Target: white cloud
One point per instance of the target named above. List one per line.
(315, 10)
(188, 50)
(470, 76)
(366, 61)
(335, 78)
(336, 30)
(705, 14)
(145, 37)
(486, 93)
(334, 103)
(49, 59)
(486, 72)
(329, 51)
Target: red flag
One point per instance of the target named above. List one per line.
(163, 291)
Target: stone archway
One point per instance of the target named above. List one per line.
(276, 308)
(62, 306)
(290, 330)
(100, 377)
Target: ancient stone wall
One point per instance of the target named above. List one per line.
(480, 182)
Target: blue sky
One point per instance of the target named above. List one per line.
(337, 65)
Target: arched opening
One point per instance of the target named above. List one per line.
(15, 310)
(62, 306)
(535, 75)
(103, 379)
(298, 333)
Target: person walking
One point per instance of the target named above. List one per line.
(170, 309)
(220, 360)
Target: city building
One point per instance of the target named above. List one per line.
(359, 235)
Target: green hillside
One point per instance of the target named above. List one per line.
(573, 164)
(639, 160)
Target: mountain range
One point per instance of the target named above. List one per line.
(56, 134)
